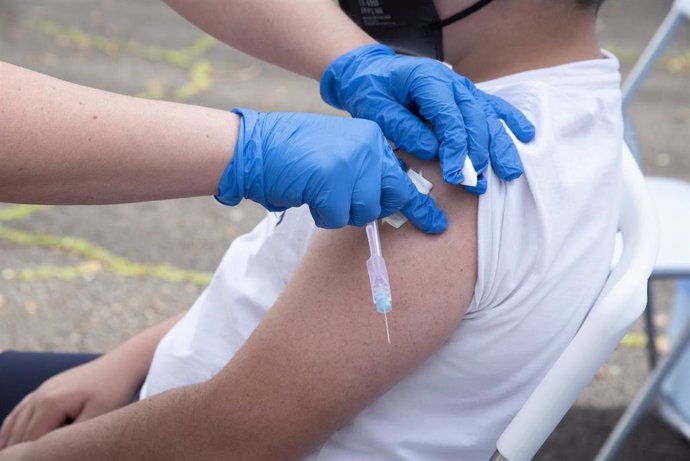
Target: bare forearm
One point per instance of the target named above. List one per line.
(303, 36)
(168, 426)
(63, 143)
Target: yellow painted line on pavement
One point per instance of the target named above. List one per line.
(189, 57)
(199, 81)
(181, 57)
(20, 212)
(86, 270)
(115, 264)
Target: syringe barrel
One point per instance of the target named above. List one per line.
(380, 286)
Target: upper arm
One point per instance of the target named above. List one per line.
(321, 355)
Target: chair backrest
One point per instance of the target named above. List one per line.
(621, 302)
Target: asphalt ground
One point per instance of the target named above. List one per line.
(87, 278)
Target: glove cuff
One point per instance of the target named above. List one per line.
(338, 74)
(231, 188)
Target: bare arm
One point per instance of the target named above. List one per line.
(84, 392)
(304, 37)
(63, 143)
(317, 359)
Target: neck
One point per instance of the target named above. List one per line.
(510, 36)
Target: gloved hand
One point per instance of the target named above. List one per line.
(343, 168)
(373, 82)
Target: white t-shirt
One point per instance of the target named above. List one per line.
(545, 243)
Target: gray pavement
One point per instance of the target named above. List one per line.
(86, 278)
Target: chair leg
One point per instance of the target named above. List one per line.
(674, 408)
(651, 328)
(643, 400)
(497, 456)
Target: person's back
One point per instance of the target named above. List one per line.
(544, 244)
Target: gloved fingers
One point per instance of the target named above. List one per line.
(476, 125)
(422, 211)
(505, 160)
(480, 188)
(331, 208)
(406, 130)
(436, 102)
(395, 192)
(514, 118)
(329, 217)
(366, 195)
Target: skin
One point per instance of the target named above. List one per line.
(81, 157)
(519, 36)
(306, 370)
(276, 39)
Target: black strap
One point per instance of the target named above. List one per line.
(458, 16)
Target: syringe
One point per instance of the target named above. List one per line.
(376, 266)
(378, 275)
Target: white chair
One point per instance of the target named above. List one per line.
(622, 301)
(672, 200)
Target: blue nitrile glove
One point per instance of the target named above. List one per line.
(343, 168)
(373, 82)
